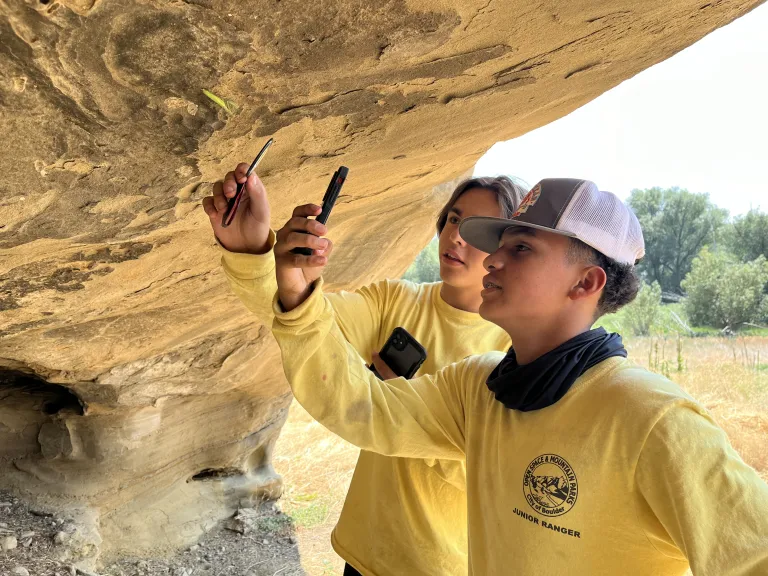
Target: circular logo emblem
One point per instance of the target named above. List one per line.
(550, 485)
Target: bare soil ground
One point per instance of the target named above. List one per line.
(265, 547)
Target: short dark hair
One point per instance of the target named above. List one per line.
(621, 280)
(508, 192)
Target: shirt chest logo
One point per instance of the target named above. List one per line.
(550, 485)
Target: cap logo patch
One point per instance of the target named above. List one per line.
(530, 199)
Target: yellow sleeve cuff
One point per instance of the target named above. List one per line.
(245, 266)
(305, 313)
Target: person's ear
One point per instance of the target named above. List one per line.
(590, 283)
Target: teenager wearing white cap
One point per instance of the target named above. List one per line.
(578, 461)
(401, 515)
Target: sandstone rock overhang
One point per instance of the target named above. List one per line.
(109, 281)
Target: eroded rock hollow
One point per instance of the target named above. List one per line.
(132, 384)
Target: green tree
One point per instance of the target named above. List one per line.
(763, 315)
(725, 292)
(426, 266)
(676, 224)
(747, 237)
(643, 313)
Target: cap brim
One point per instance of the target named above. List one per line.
(484, 232)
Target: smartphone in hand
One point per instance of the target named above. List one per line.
(402, 353)
(329, 199)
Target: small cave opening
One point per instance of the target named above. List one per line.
(53, 398)
(215, 474)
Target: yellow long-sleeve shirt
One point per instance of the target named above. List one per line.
(401, 515)
(626, 474)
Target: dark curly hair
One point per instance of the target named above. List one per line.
(621, 280)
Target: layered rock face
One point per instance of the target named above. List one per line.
(132, 384)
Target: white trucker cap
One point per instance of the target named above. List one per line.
(569, 207)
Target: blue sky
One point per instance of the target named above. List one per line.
(698, 120)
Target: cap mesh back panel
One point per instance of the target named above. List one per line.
(602, 221)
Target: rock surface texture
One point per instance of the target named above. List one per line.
(133, 387)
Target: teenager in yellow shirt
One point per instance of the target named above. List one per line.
(401, 515)
(578, 461)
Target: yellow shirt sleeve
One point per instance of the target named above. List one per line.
(420, 418)
(252, 279)
(702, 496)
(358, 313)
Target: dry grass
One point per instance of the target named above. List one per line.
(723, 374)
(316, 467)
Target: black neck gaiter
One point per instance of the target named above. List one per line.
(545, 380)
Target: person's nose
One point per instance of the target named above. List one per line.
(456, 237)
(493, 261)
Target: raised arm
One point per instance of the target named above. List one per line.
(421, 418)
(248, 258)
